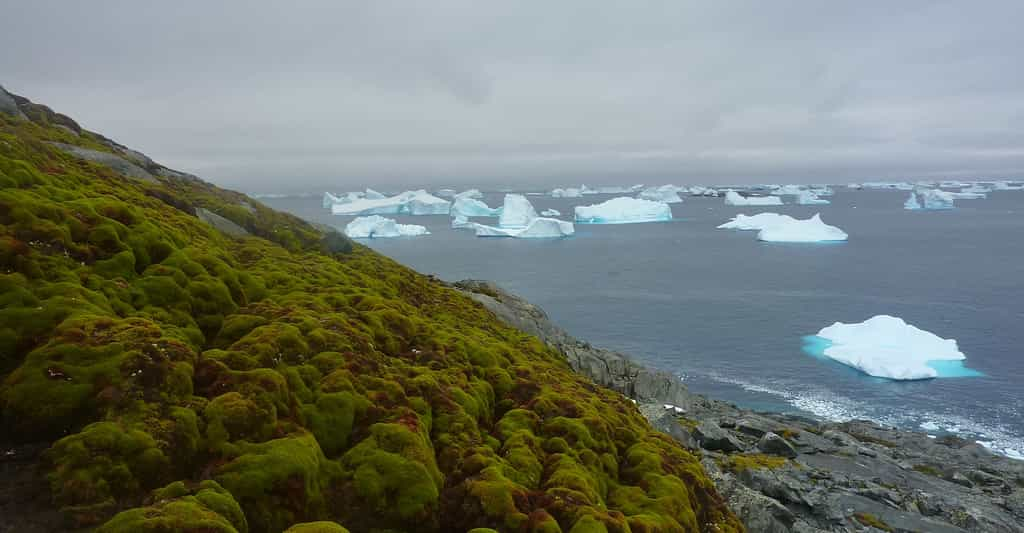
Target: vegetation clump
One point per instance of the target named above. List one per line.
(190, 380)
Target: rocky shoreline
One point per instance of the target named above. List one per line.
(784, 473)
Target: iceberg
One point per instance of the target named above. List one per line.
(733, 198)
(962, 195)
(371, 194)
(462, 222)
(935, 199)
(551, 213)
(700, 190)
(516, 212)
(330, 199)
(796, 230)
(471, 207)
(614, 189)
(538, 228)
(788, 189)
(757, 222)
(912, 203)
(887, 347)
(809, 198)
(898, 185)
(623, 210)
(666, 193)
(470, 193)
(1006, 186)
(418, 202)
(376, 226)
(445, 193)
(570, 192)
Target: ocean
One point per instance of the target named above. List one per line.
(728, 314)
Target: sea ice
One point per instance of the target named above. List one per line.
(538, 228)
(666, 193)
(623, 210)
(734, 198)
(809, 198)
(418, 202)
(376, 226)
(516, 212)
(887, 347)
(471, 207)
(796, 230)
(551, 213)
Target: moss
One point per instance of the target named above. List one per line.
(928, 470)
(316, 527)
(205, 508)
(296, 369)
(871, 520)
(753, 461)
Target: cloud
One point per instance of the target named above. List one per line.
(266, 96)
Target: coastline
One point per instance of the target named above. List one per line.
(785, 472)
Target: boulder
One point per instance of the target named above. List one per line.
(711, 437)
(773, 444)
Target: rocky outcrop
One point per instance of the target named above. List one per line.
(221, 224)
(8, 105)
(783, 473)
(115, 162)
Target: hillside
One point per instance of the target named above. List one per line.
(192, 360)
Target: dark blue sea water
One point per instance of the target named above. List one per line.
(728, 313)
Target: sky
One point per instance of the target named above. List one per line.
(310, 95)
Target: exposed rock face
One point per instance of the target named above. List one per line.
(786, 473)
(8, 106)
(117, 163)
(222, 224)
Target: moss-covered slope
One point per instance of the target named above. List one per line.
(190, 381)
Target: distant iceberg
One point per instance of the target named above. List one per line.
(700, 190)
(788, 189)
(912, 204)
(538, 228)
(418, 202)
(623, 210)
(613, 189)
(809, 198)
(929, 199)
(470, 193)
(445, 193)
(887, 347)
(897, 185)
(666, 193)
(734, 198)
(371, 194)
(570, 192)
(551, 213)
(376, 226)
(471, 207)
(795, 230)
(462, 222)
(968, 195)
(330, 199)
(516, 212)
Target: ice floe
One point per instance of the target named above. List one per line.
(734, 198)
(376, 226)
(623, 210)
(929, 199)
(887, 347)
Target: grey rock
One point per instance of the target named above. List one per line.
(773, 444)
(220, 223)
(8, 106)
(105, 158)
(712, 437)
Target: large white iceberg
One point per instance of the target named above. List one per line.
(887, 347)
(418, 202)
(623, 210)
(809, 198)
(756, 222)
(376, 226)
(538, 228)
(551, 213)
(931, 199)
(516, 212)
(796, 230)
(471, 207)
(734, 198)
(666, 193)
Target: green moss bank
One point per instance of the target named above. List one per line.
(190, 381)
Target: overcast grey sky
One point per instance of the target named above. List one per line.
(282, 96)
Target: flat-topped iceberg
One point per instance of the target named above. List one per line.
(809, 198)
(756, 222)
(666, 193)
(796, 230)
(418, 202)
(887, 347)
(516, 212)
(623, 210)
(471, 207)
(538, 228)
(376, 226)
(551, 213)
(734, 198)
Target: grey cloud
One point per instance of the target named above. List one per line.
(270, 96)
